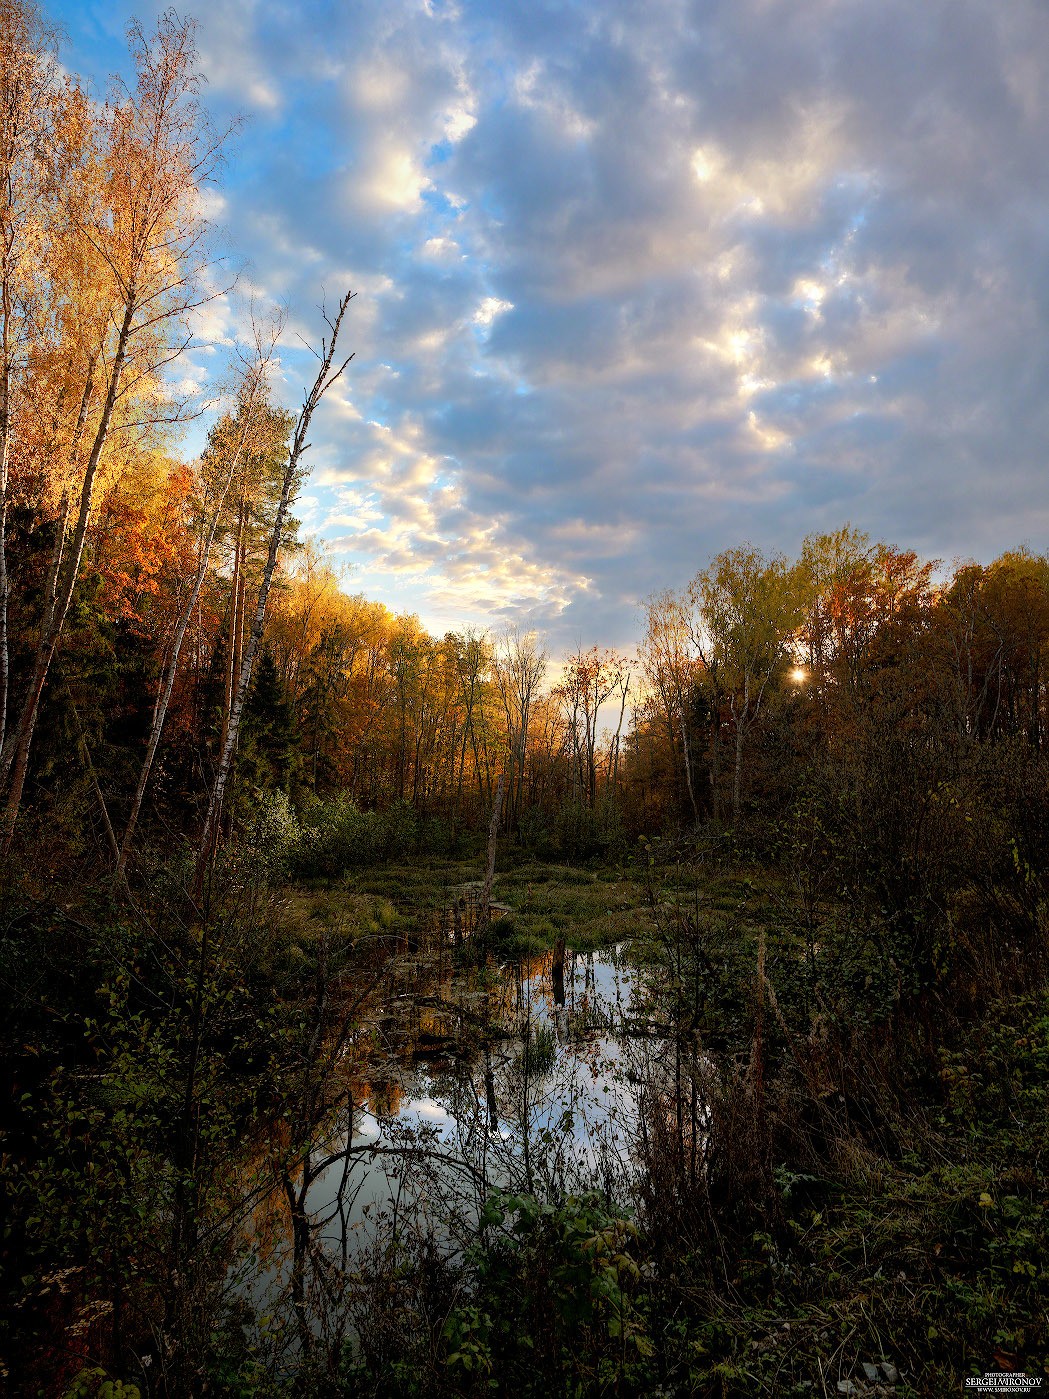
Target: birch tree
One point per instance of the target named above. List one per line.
(231, 441)
(750, 608)
(28, 93)
(132, 215)
(327, 374)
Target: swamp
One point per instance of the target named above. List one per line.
(606, 1141)
(409, 1009)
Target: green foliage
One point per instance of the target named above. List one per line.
(583, 832)
(267, 752)
(336, 835)
(554, 1302)
(130, 1130)
(95, 1384)
(274, 835)
(437, 838)
(898, 1217)
(537, 833)
(540, 1051)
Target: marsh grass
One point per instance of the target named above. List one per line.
(589, 909)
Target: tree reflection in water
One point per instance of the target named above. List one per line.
(458, 1081)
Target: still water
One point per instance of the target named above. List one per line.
(512, 1077)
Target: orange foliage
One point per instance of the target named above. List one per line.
(144, 547)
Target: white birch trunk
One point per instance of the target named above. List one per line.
(168, 685)
(326, 376)
(15, 758)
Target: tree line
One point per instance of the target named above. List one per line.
(104, 269)
(171, 651)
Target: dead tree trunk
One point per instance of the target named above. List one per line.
(484, 912)
(326, 376)
(256, 384)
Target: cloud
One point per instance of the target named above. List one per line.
(638, 283)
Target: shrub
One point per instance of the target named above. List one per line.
(336, 835)
(274, 836)
(538, 833)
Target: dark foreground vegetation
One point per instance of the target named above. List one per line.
(248, 831)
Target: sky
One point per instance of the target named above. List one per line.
(637, 283)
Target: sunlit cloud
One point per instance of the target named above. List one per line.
(489, 308)
(638, 283)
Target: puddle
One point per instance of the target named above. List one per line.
(507, 1078)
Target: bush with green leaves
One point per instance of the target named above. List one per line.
(582, 832)
(274, 836)
(538, 833)
(94, 1383)
(557, 1304)
(336, 835)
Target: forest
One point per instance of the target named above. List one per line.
(390, 1014)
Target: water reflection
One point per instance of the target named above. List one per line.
(456, 1080)
(497, 1077)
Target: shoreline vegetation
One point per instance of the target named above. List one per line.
(293, 890)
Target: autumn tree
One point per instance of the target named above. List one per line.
(750, 607)
(993, 622)
(28, 111)
(318, 636)
(591, 678)
(125, 275)
(328, 373)
(671, 671)
(246, 515)
(828, 561)
(856, 593)
(472, 660)
(249, 433)
(518, 666)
